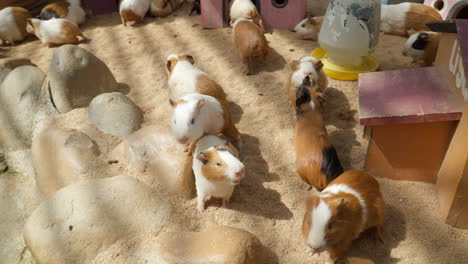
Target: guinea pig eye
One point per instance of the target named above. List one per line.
(193, 121)
(330, 226)
(303, 25)
(218, 164)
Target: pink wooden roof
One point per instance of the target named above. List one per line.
(407, 96)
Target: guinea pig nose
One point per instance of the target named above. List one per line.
(183, 140)
(307, 73)
(292, 30)
(240, 174)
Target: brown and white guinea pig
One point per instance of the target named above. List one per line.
(306, 66)
(184, 78)
(245, 9)
(422, 46)
(162, 8)
(13, 22)
(317, 162)
(133, 10)
(309, 28)
(217, 170)
(196, 115)
(351, 204)
(73, 10)
(55, 31)
(401, 18)
(250, 42)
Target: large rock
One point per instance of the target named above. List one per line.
(80, 220)
(13, 63)
(76, 76)
(19, 96)
(61, 157)
(217, 245)
(157, 153)
(115, 114)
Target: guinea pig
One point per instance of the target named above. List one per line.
(422, 46)
(309, 28)
(306, 66)
(185, 78)
(245, 9)
(55, 31)
(250, 42)
(317, 162)
(133, 10)
(162, 8)
(401, 18)
(217, 170)
(196, 115)
(196, 7)
(73, 10)
(351, 204)
(13, 21)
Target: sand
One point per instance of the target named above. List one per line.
(270, 201)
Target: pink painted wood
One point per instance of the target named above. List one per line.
(214, 13)
(407, 96)
(447, 6)
(102, 6)
(462, 29)
(283, 18)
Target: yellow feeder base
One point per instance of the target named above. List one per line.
(348, 73)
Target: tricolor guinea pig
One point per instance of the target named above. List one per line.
(55, 31)
(133, 10)
(185, 78)
(217, 170)
(422, 46)
(250, 42)
(335, 217)
(401, 18)
(196, 115)
(73, 10)
(245, 9)
(309, 28)
(317, 162)
(162, 8)
(13, 22)
(306, 66)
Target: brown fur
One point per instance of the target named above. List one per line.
(129, 15)
(345, 222)
(250, 42)
(419, 15)
(316, 24)
(229, 129)
(322, 81)
(167, 10)
(61, 8)
(209, 87)
(210, 170)
(21, 16)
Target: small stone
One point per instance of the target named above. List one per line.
(291, 50)
(115, 114)
(261, 94)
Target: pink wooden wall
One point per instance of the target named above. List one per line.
(212, 13)
(447, 7)
(282, 18)
(102, 6)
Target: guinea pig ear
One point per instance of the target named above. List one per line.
(172, 102)
(200, 105)
(202, 157)
(294, 65)
(341, 205)
(311, 20)
(190, 58)
(169, 65)
(318, 65)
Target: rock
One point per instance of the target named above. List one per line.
(61, 157)
(3, 73)
(115, 114)
(157, 153)
(12, 62)
(80, 220)
(76, 76)
(19, 95)
(217, 245)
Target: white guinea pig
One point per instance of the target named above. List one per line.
(73, 10)
(309, 28)
(55, 31)
(196, 115)
(351, 204)
(185, 78)
(422, 46)
(133, 10)
(217, 170)
(13, 21)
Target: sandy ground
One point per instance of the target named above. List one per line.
(269, 203)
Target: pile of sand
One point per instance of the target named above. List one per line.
(269, 202)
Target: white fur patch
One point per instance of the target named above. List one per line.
(241, 9)
(183, 79)
(8, 28)
(393, 18)
(139, 7)
(234, 164)
(76, 14)
(234, 24)
(320, 217)
(51, 30)
(337, 188)
(306, 67)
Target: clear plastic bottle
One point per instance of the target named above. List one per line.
(350, 30)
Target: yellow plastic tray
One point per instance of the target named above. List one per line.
(348, 73)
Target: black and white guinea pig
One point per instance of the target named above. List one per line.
(73, 10)
(422, 46)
